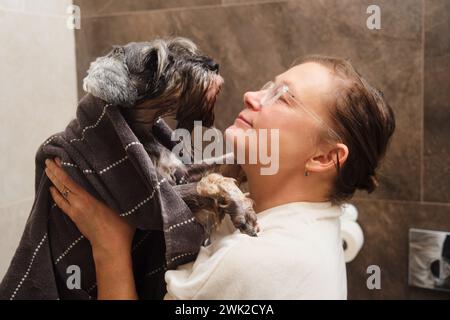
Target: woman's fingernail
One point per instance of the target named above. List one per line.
(58, 161)
(47, 161)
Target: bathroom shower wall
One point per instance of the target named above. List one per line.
(38, 97)
(386, 222)
(253, 41)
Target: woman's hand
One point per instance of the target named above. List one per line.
(110, 236)
(107, 232)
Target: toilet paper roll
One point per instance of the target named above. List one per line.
(349, 212)
(352, 239)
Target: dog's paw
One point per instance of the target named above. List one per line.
(209, 186)
(244, 217)
(231, 200)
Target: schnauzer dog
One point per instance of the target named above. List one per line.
(171, 77)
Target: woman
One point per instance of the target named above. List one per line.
(334, 129)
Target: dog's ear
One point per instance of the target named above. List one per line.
(108, 79)
(157, 58)
(151, 66)
(150, 58)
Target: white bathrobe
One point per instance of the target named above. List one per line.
(297, 255)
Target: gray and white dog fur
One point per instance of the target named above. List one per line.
(171, 77)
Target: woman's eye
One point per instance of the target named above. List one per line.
(282, 100)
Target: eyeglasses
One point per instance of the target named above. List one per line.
(280, 94)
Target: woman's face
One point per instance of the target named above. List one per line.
(309, 83)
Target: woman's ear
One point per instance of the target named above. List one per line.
(327, 158)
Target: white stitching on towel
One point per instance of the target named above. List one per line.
(29, 267)
(182, 255)
(92, 126)
(141, 241)
(84, 130)
(132, 250)
(182, 223)
(112, 165)
(68, 249)
(132, 144)
(163, 267)
(140, 204)
(50, 140)
(122, 215)
(91, 288)
(68, 164)
(115, 164)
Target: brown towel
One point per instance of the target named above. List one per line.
(103, 155)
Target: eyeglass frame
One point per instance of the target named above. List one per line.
(279, 90)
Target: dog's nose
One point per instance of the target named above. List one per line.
(212, 65)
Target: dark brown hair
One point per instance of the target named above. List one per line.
(365, 123)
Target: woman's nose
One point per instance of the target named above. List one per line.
(252, 100)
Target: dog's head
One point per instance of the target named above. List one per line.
(158, 78)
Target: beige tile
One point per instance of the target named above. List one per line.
(43, 7)
(38, 94)
(12, 223)
(56, 7)
(16, 5)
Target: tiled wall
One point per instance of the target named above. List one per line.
(253, 41)
(38, 97)
(409, 59)
(386, 222)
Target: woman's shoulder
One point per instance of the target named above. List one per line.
(255, 268)
(270, 252)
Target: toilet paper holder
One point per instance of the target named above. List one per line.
(429, 259)
(351, 232)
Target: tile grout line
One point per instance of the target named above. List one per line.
(422, 123)
(426, 203)
(177, 9)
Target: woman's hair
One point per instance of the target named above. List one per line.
(365, 123)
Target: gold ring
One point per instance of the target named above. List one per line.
(65, 192)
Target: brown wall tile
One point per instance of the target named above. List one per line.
(437, 102)
(257, 41)
(386, 227)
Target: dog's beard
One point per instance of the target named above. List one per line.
(202, 108)
(108, 79)
(211, 95)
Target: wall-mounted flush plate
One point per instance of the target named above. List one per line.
(429, 259)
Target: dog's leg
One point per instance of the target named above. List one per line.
(197, 171)
(213, 197)
(231, 200)
(205, 209)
